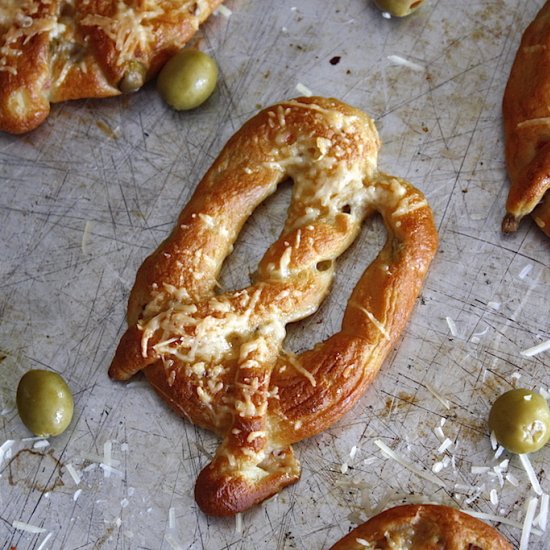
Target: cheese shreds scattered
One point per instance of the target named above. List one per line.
(86, 237)
(439, 433)
(353, 452)
(544, 393)
(437, 467)
(512, 479)
(172, 518)
(386, 15)
(304, 90)
(4, 448)
(76, 494)
(499, 451)
(364, 543)
(22, 526)
(445, 402)
(73, 473)
(223, 10)
(344, 468)
(107, 457)
(535, 350)
(479, 469)
(45, 541)
(526, 463)
(452, 326)
(494, 305)
(41, 444)
(494, 497)
(525, 271)
(542, 519)
(498, 519)
(444, 446)
(398, 60)
(528, 523)
(388, 453)
(239, 523)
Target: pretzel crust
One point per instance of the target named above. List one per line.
(525, 109)
(217, 358)
(423, 527)
(57, 50)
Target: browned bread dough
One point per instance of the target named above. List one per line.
(217, 357)
(423, 527)
(55, 50)
(526, 109)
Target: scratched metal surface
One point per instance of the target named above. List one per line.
(94, 190)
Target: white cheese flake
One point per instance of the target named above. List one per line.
(223, 10)
(526, 463)
(525, 271)
(172, 518)
(494, 441)
(44, 542)
(73, 473)
(445, 402)
(528, 523)
(304, 90)
(76, 494)
(22, 526)
(41, 444)
(535, 350)
(493, 497)
(452, 326)
(444, 446)
(398, 60)
(239, 523)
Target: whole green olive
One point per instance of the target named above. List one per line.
(520, 420)
(44, 402)
(399, 8)
(188, 79)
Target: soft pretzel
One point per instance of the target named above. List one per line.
(217, 358)
(526, 109)
(55, 50)
(423, 527)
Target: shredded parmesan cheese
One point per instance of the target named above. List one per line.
(526, 463)
(452, 326)
(528, 523)
(223, 10)
(304, 90)
(388, 453)
(535, 350)
(73, 473)
(398, 60)
(45, 541)
(22, 526)
(497, 519)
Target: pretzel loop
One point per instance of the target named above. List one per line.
(218, 358)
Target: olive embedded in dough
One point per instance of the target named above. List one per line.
(520, 419)
(399, 8)
(44, 402)
(188, 79)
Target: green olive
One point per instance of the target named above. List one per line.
(521, 421)
(188, 79)
(399, 8)
(44, 402)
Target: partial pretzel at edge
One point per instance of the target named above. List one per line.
(525, 108)
(217, 359)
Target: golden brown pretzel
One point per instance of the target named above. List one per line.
(423, 527)
(526, 109)
(55, 50)
(217, 359)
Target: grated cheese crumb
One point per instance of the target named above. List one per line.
(239, 522)
(304, 90)
(223, 10)
(528, 523)
(22, 526)
(535, 350)
(76, 494)
(526, 463)
(45, 541)
(525, 271)
(398, 60)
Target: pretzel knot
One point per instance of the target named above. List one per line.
(217, 358)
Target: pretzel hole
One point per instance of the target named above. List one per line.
(325, 265)
(259, 232)
(348, 269)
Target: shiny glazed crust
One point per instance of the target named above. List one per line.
(525, 110)
(56, 50)
(217, 357)
(423, 527)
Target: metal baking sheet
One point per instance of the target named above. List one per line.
(94, 190)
